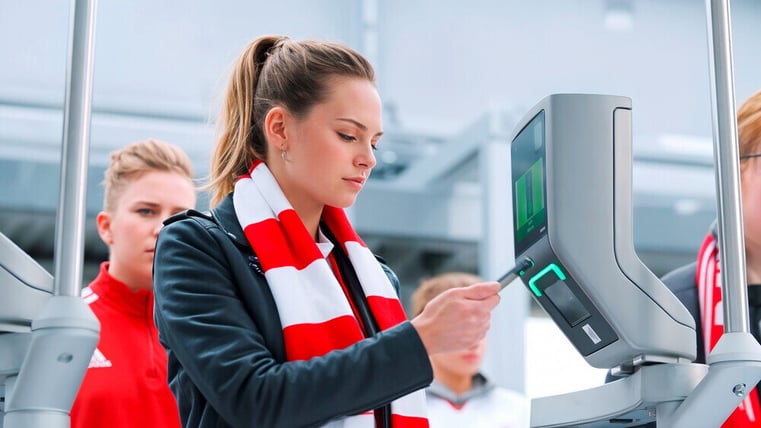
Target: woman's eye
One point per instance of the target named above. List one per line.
(145, 211)
(347, 137)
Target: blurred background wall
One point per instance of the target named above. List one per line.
(454, 76)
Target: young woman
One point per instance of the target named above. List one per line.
(697, 285)
(460, 395)
(126, 382)
(273, 311)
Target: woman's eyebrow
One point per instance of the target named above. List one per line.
(359, 125)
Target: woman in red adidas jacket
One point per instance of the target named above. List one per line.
(125, 385)
(273, 311)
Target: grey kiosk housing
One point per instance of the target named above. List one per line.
(571, 162)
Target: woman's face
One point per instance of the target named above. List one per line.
(131, 229)
(751, 203)
(329, 153)
(459, 365)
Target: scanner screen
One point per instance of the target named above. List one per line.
(529, 188)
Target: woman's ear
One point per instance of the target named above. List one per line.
(275, 127)
(103, 221)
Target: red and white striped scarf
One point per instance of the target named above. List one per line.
(748, 413)
(315, 313)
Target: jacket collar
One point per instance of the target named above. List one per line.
(224, 213)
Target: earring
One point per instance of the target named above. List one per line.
(282, 154)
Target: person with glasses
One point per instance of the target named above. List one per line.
(698, 285)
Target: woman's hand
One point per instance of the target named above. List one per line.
(458, 318)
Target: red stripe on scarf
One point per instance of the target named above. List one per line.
(708, 275)
(304, 341)
(280, 249)
(337, 222)
(388, 312)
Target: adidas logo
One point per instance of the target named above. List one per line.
(98, 360)
(88, 295)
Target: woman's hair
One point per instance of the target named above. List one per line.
(132, 161)
(749, 125)
(273, 71)
(432, 287)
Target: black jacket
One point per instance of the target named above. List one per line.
(227, 366)
(683, 283)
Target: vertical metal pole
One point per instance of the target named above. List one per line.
(69, 244)
(726, 158)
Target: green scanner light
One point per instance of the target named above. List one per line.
(552, 267)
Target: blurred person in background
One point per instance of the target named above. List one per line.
(125, 385)
(460, 395)
(698, 285)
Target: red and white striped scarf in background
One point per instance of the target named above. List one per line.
(748, 413)
(314, 311)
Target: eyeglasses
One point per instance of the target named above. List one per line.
(755, 167)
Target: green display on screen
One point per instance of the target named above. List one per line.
(529, 200)
(528, 182)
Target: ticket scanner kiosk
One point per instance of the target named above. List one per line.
(571, 164)
(571, 173)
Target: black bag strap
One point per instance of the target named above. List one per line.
(357, 295)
